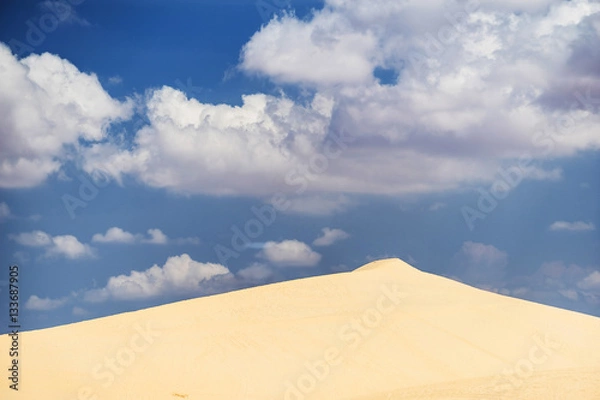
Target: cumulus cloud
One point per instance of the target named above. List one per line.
(477, 88)
(480, 263)
(290, 253)
(154, 236)
(330, 236)
(115, 235)
(67, 246)
(47, 105)
(578, 226)
(44, 304)
(480, 85)
(179, 274)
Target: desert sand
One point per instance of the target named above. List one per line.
(385, 331)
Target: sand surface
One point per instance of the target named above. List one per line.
(386, 331)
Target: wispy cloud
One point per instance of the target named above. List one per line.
(153, 236)
(578, 226)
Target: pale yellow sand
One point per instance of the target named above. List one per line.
(385, 331)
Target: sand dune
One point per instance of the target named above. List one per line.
(386, 331)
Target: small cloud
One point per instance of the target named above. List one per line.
(584, 185)
(437, 206)
(569, 294)
(115, 235)
(330, 236)
(481, 264)
(255, 273)
(115, 80)
(290, 253)
(32, 239)
(66, 245)
(179, 274)
(45, 304)
(69, 247)
(78, 311)
(35, 217)
(578, 226)
(156, 237)
(590, 282)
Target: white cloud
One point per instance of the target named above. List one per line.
(4, 211)
(179, 274)
(290, 253)
(591, 282)
(32, 239)
(578, 226)
(46, 104)
(482, 254)
(65, 245)
(69, 247)
(44, 304)
(154, 236)
(472, 95)
(481, 264)
(330, 236)
(115, 235)
(265, 137)
(338, 53)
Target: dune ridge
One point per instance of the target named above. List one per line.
(381, 332)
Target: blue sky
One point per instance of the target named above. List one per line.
(153, 151)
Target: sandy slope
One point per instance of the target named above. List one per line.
(386, 331)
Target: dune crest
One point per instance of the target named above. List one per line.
(384, 331)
